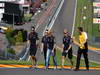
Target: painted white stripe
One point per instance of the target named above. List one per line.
(74, 19)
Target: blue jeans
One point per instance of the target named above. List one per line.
(49, 53)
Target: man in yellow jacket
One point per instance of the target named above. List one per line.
(83, 48)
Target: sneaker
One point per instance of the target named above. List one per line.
(46, 68)
(62, 67)
(32, 67)
(76, 69)
(71, 67)
(87, 69)
(55, 67)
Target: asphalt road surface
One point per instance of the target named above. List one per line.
(18, 71)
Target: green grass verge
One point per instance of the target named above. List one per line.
(92, 64)
(15, 62)
(87, 24)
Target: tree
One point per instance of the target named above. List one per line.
(19, 38)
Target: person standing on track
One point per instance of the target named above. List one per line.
(67, 48)
(44, 45)
(33, 41)
(51, 50)
(83, 48)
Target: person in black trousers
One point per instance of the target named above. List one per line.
(44, 45)
(83, 49)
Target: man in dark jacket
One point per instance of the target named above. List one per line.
(51, 50)
(67, 48)
(44, 45)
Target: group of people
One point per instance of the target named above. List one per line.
(48, 47)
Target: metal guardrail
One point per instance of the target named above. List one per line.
(50, 17)
(24, 53)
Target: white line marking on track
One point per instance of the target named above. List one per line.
(74, 19)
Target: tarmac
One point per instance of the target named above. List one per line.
(26, 71)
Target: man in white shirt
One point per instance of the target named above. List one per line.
(85, 35)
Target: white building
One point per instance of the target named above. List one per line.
(2, 6)
(24, 3)
(1, 10)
